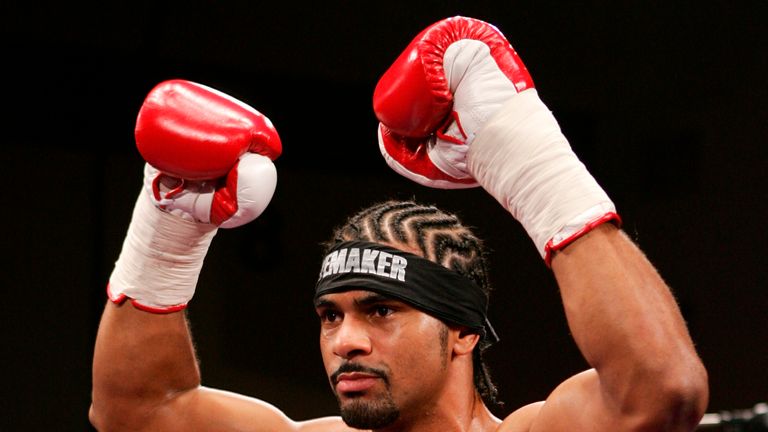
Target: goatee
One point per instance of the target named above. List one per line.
(362, 414)
(366, 414)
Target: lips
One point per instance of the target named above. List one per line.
(355, 382)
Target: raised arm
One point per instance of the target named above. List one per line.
(459, 109)
(145, 374)
(647, 375)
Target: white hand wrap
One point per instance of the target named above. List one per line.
(521, 157)
(161, 259)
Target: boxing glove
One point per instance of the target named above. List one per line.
(463, 95)
(228, 202)
(175, 219)
(191, 131)
(425, 120)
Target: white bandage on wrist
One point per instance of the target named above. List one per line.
(161, 259)
(521, 157)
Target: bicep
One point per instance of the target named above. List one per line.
(580, 404)
(217, 410)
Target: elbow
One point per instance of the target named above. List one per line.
(691, 395)
(96, 419)
(103, 419)
(108, 416)
(679, 400)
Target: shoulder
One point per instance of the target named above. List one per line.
(566, 403)
(522, 419)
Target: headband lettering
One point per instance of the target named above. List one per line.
(372, 261)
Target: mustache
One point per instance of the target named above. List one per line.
(356, 367)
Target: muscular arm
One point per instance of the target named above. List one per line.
(647, 375)
(145, 374)
(141, 361)
(500, 135)
(145, 377)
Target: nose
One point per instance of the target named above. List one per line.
(351, 339)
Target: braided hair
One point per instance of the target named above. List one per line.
(437, 236)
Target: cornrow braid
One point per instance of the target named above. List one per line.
(437, 236)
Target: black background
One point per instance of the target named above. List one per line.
(664, 102)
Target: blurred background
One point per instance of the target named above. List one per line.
(663, 101)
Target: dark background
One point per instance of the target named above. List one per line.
(664, 102)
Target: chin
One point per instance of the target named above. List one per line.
(368, 413)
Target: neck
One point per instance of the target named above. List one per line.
(453, 411)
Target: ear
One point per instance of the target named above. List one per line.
(465, 342)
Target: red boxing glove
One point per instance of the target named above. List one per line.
(458, 109)
(422, 135)
(209, 166)
(191, 131)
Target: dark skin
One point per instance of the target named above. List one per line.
(620, 312)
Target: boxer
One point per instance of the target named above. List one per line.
(402, 291)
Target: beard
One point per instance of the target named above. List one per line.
(364, 414)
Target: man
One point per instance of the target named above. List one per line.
(401, 294)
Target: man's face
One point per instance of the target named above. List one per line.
(383, 357)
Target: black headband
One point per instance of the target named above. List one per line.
(420, 282)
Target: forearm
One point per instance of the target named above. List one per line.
(140, 360)
(628, 325)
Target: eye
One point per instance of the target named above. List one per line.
(328, 316)
(382, 311)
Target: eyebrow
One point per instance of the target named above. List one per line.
(366, 300)
(373, 298)
(323, 303)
